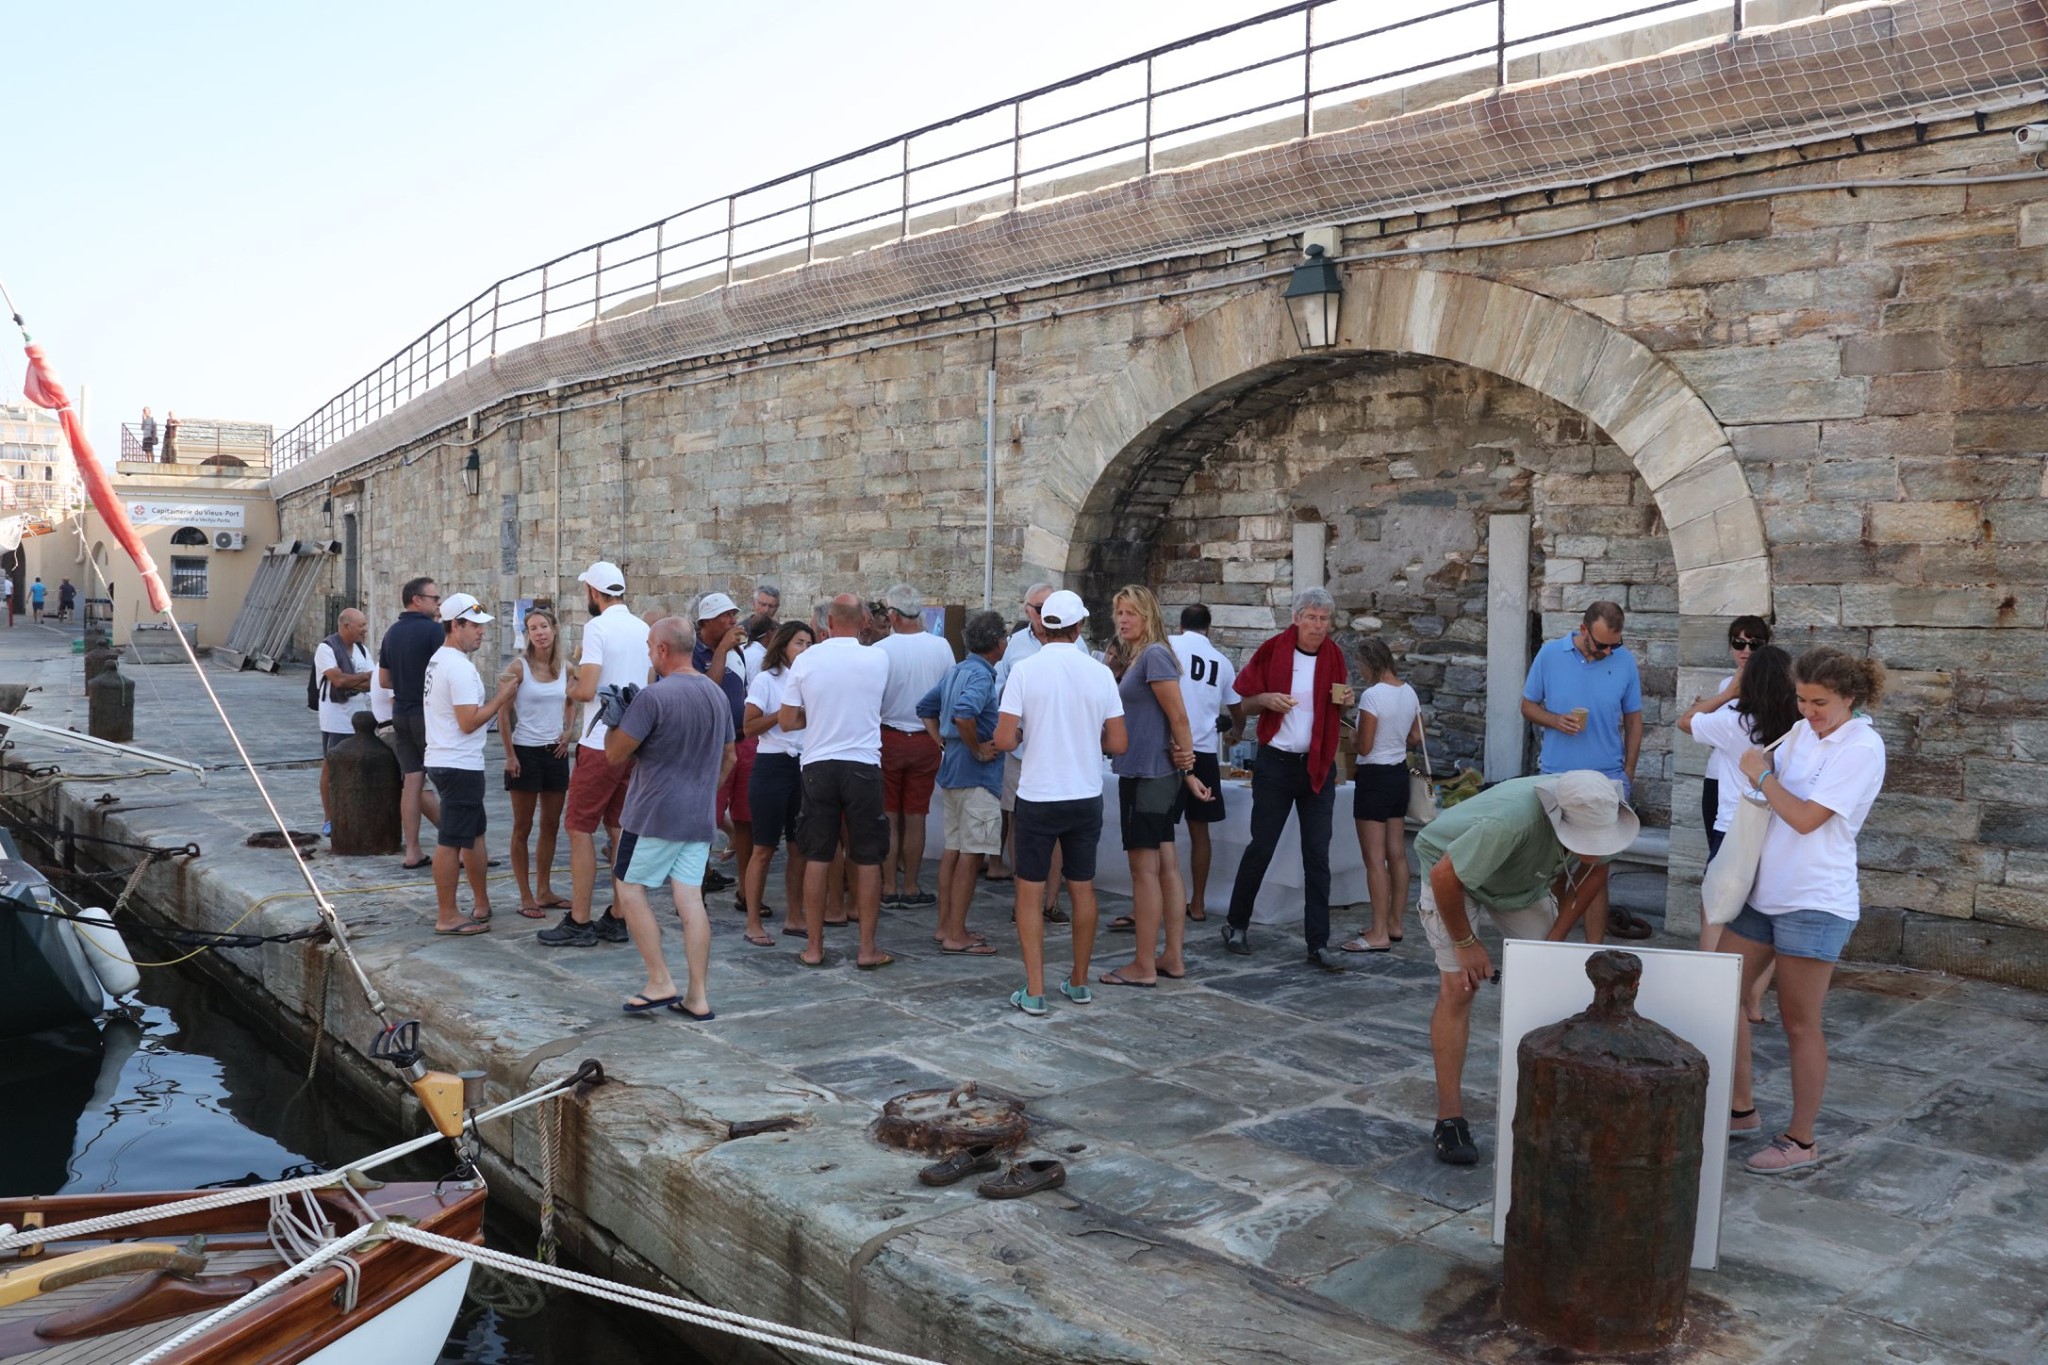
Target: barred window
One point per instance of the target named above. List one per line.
(188, 576)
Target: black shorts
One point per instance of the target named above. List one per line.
(540, 769)
(328, 739)
(1380, 792)
(1076, 826)
(409, 742)
(837, 790)
(1149, 808)
(462, 805)
(1211, 811)
(775, 791)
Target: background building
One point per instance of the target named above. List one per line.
(36, 474)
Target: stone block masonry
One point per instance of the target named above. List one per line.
(1816, 402)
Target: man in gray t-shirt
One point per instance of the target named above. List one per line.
(678, 734)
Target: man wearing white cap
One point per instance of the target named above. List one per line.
(456, 714)
(614, 654)
(1515, 851)
(1060, 713)
(719, 654)
(918, 660)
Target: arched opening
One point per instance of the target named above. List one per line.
(189, 535)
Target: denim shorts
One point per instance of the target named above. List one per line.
(653, 863)
(1796, 933)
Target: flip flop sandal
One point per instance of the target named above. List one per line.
(1201, 918)
(1024, 1177)
(467, 929)
(796, 933)
(1123, 924)
(484, 918)
(1112, 979)
(414, 867)
(971, 950)
(961, 1164)
(640, 1004)
(764, 941)
(677, 1006)
(821, 962)
(877, 965)
(533, 912)
(553, 903)
(1171, 976)
(1359, 945)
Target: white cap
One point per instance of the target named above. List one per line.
(1588, 813)
(1063, 609)
(714, 604)
(462, 607)
(605, 577)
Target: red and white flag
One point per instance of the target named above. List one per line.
(44, 390)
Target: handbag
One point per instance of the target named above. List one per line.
(1726, 884)
(1422, 807)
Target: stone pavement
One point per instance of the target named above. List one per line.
(1249, 1172)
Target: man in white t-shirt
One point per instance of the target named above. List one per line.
(834, 696)
(918, 659)
(1060, 713)
(1206, 675)
(456, 713)
(344, 690)
(1026, 641)
(614, 655)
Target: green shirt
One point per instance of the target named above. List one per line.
(1501, 844)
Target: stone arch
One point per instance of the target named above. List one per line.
(1128, 450)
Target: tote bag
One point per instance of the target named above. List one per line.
(1422, 807)
(1732, 872)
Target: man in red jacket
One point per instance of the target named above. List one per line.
(1298, 684)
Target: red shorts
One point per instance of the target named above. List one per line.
(910, 769)
(732, 793)
(597, 791)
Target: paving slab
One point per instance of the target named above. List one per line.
(1250, 1175)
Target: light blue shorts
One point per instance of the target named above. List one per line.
(1796, 933)
(654, 863)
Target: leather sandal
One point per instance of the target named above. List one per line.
(961, 1164)
(1024, 1177)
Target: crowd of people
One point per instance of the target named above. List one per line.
(830, 738)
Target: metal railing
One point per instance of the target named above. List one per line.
(202, 441)
(1280, 74)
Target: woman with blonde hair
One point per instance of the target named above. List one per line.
(1820, 782)
(537, 740)
(1155, 775)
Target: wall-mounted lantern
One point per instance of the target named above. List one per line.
(1315, 292)
(473, 474)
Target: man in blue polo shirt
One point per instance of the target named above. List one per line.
(1586, 696)
(961, 713)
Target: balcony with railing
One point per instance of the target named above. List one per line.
(203, 448)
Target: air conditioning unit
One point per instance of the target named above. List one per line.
(230, 540)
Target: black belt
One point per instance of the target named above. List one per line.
(1284, 753)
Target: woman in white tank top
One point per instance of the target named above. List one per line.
(537, 742)
(1389, 720)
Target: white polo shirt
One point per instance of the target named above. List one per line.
(838, 682)
(1206, 676)
(1061, 698)
(916, 664)
(616, 641)
(1817, 871)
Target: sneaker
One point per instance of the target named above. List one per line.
(714, 880)
(1783, 1155)
(1329, 959)
(1080, 995)
(568, 934)
(1236, 941)
(327, 829)
(1033, 1005)
(610, 928)
(1057, 914)
(919, 900)
(1454, 1145)
(892, 900)
(1740, 1125)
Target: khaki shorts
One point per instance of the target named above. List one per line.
(974, 820)
(1531, 921)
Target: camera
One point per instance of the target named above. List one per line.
(2031, 137)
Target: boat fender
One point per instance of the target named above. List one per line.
(108, 953)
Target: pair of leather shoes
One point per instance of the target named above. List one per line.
(1021, 1177)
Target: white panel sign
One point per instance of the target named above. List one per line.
(212, 515)
(1693, 994)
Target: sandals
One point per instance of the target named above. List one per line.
(1024, 1177)
(763, 941)
(1123, 924)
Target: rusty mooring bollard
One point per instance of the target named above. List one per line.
(363, 787)
(1609, 1114)
(99, 653)
(110, 704)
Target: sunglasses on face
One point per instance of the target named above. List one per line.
(1747, 644)
(1601, 647)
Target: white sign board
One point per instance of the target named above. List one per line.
(218, 516)
(1693, 994)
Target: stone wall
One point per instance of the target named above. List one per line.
(1873, 359)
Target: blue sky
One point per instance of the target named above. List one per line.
(234, 210)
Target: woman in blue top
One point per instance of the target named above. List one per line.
(1155, 774)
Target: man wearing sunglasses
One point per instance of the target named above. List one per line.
(1584, 693)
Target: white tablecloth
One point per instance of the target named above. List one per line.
(1280, 895)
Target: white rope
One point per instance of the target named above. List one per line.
(259, 1293)
(701, 1315)
(15, 1240)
